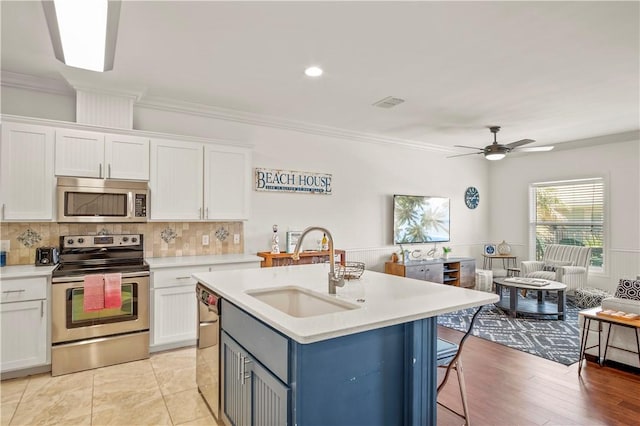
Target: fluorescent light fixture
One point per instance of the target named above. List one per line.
(83, 32)
(494, 156)
(313, 71)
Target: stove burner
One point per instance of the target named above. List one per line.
(100, 254)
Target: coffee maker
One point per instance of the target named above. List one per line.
(46, 256)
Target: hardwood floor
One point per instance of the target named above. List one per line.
(509, 387)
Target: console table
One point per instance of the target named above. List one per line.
(306, 257)
(595, 315)
(507, 261)
(457, 271)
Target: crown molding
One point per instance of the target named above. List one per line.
(118, 131)
(171, 105)
(38, 84)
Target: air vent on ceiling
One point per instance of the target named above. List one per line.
(388, 102)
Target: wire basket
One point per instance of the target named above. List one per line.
(350, 270)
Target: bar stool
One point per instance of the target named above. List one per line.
(448, 357)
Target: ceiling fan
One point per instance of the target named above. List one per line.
(497, 151)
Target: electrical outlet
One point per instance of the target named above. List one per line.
(5, 245)
(236, 238)
(205, 240)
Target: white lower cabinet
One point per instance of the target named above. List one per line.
(24, 319)
(174, 315)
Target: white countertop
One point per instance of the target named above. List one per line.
(25, 271)
(389, 299)
(170, 262)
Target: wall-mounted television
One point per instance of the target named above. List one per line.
(420, 219)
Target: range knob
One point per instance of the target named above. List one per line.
(70, 241)
(125, 239)
(80, 240)
(134, 240)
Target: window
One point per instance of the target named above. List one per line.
(569, 212)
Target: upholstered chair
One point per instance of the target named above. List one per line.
(566, 264)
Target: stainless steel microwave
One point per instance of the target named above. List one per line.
(101, 200)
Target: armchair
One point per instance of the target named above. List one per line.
(566, 264)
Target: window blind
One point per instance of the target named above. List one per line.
(569, 212)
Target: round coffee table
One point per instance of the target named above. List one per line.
(511, 303)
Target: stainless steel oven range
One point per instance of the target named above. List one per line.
(81, 339)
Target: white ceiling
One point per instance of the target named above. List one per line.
(550, 71)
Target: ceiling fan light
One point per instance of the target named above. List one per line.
(494, 156)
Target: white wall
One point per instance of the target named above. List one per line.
(365, 177)
(618, 163)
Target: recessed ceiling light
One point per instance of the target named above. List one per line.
(313, 71)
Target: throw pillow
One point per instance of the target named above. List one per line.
(552, 265)
(628, 289)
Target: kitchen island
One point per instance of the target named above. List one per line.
(370, 362)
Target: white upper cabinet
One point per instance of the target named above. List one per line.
(79, 153)
(82, 153)
(176, 180)
(195, 181)
(26, 172)
(126, 157)
(227, 182)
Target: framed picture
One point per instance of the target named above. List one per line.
(490, 249)
(292, 240)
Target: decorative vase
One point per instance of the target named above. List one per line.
(504, 248)
(445, 255)
(275, 241)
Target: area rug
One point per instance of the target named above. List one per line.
(548, 338)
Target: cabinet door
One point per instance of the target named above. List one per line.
(468, 273)
(434, 272)
(126, 157)
(269, 397)
(416, 271)
(227, 182)
(176, 180)
(175, 317)
(24, 334)
(251, 394)
(26, 172)
(79, 153)
(236, 396)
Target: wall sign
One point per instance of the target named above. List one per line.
(292, 181)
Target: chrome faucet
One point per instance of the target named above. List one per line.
(334, 280)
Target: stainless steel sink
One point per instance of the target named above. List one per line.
(300, 302)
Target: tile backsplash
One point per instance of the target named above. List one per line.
(161, 239)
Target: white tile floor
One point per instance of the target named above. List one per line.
(157, 391)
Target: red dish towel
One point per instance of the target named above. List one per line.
(93, 293)
(113, 290)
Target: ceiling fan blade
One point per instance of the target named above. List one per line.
(462, 155)
(535, 149)
(519, 143)
(470, 147)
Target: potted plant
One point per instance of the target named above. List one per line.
(445, 252)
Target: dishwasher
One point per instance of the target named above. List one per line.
(208, 348)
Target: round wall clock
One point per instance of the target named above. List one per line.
(471, 197)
